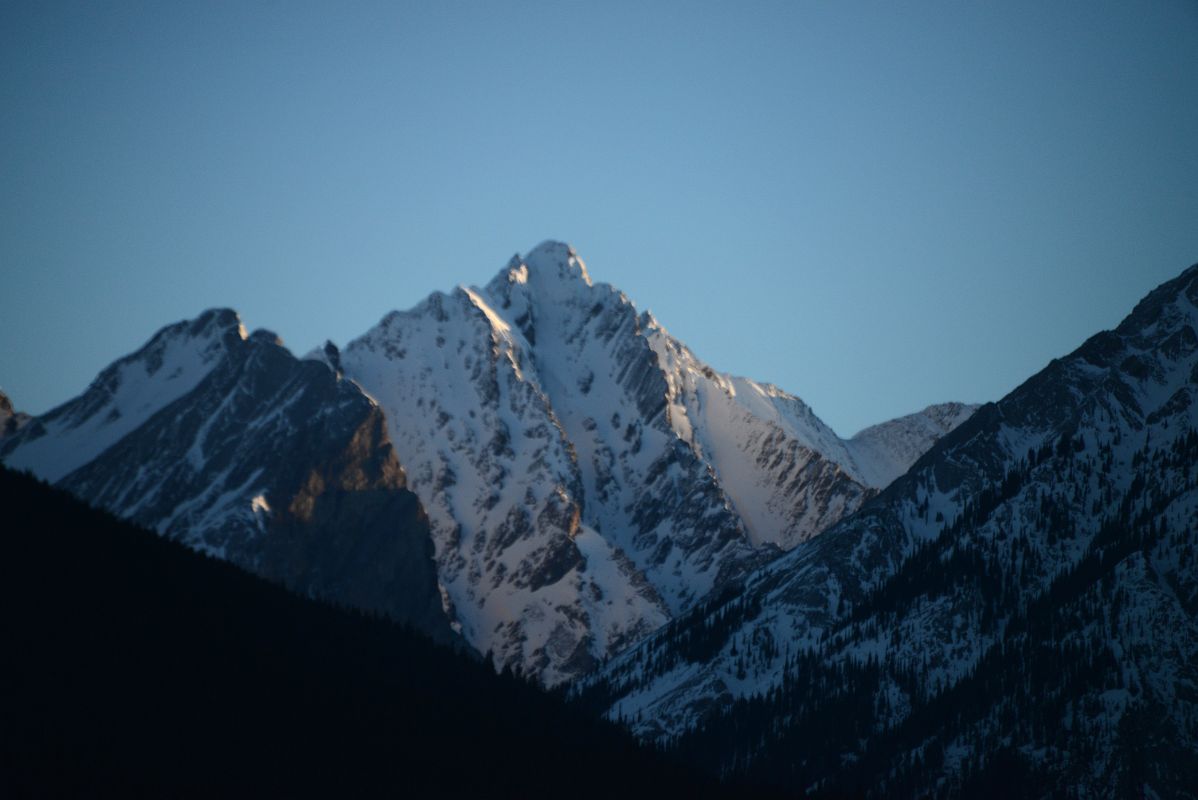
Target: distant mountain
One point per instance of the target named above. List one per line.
(225, 441)
(884, 452)
(135, 667)
(1017, 615)
(586, 476)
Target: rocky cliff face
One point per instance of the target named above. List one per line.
(11, 420)
(586, 476)
(227, 442)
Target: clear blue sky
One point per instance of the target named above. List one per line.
(873, 208)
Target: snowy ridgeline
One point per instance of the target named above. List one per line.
(227, 442)
(585, 476)
(1028, 588)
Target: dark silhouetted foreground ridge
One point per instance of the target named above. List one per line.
(135, 666)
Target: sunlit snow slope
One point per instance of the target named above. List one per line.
(586, 476)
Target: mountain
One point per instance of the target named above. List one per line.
(1017, 615)
(587, 478)
(885, 451)
(134, 666)
(226, 442)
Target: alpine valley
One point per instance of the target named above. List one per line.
(966, 600)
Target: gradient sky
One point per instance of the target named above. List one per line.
(874, 208)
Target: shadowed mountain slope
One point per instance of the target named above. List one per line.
(1021, 606)
(134, 666)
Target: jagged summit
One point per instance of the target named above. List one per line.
(219, 315)
(213, 320)
(228, 443)
(586, 476)
(1167, 293)
(127, 393)
(558, 259)
(266, 337)
(550, 266)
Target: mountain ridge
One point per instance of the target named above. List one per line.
(1078, 487)
(223, 440)
(581, 475)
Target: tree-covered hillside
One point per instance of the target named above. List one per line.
(133, 665)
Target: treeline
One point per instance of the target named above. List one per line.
(695, 637)
(1047, 703)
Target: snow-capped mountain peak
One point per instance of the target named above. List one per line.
(124, 395)
(554, 261)
(223, 440)
(882, 452)
(546, 387)
(586, 477)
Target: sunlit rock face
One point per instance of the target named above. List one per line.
(11, 420)
(227, 442)
(588, 478)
